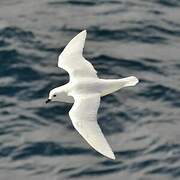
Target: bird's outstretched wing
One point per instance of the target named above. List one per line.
(84, 118)
(72, 60)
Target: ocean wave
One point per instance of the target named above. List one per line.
(140, 123)
(17, 33)
(46, 149)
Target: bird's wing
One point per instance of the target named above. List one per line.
(72, 60)
(84, 118)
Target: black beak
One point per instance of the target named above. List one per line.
(48, 100)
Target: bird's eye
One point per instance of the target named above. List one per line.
(54, 95)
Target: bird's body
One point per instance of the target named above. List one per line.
(85, 90)
(92, 85)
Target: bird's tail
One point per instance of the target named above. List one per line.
(110, 86)
(129, 81)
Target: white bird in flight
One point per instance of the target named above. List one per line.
(85, 90)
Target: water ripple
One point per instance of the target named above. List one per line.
(139, 38)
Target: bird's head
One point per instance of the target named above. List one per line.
(53, 95)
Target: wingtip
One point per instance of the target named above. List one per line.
(75, 45)
(84, 32)
(111, 156)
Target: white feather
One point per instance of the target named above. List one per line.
(84, 118)
(72, 60)
(85, 90)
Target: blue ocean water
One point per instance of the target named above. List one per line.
(132, 37)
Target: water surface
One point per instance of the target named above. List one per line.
(133, 37)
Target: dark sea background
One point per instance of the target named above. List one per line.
(141, 123)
